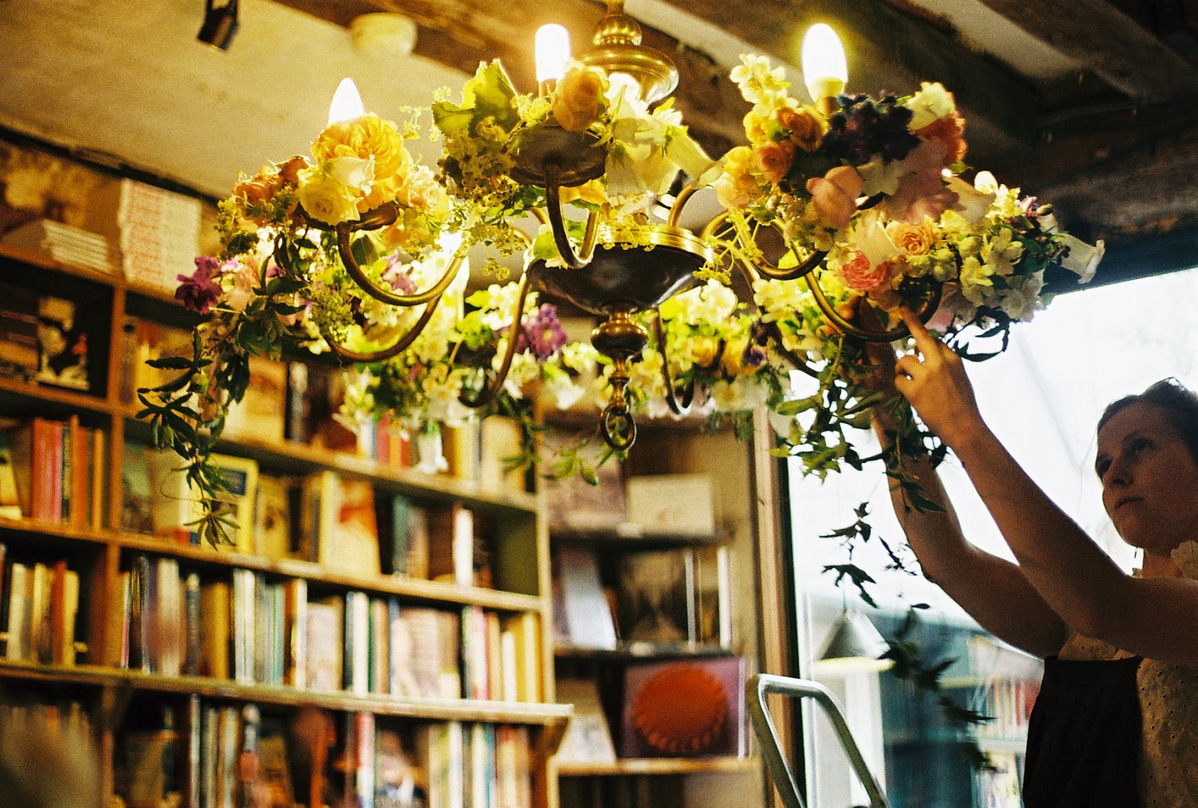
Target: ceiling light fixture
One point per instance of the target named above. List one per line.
(361, 250)
(220, 24)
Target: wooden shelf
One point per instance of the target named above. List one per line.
(640, 651)
(659, 766)
(301, 458)
(629, 536)
(430, 709)
(414, 588)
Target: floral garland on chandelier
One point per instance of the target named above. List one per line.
(874, 183)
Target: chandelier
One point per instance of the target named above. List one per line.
(833, 203)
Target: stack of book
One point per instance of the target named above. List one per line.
(160, 234)
(64, 243)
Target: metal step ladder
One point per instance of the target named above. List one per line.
(762, 684)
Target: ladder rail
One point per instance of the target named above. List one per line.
(761, 684)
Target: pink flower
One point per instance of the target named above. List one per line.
(858, 274)
(834, 196)
(921, 192)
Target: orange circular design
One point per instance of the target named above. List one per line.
(682, 709)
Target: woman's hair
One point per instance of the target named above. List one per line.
(1178, 403)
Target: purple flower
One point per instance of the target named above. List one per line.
(864, 127)
(399, 276)
(200, 290)
(542, 333)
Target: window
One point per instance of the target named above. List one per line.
(1042, 397)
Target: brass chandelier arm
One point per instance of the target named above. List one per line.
(488, 393)
(678, 406)
(869, 334)
(345, 248)
(799, 363)
(763, 267)
(553, 196)
(400, 345)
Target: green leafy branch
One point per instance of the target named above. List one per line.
(180, 422)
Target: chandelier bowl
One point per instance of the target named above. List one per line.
(631, 278)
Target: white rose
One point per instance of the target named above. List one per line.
(929, 105)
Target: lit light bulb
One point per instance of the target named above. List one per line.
(824, 68)
(553, 52)
(347, 103)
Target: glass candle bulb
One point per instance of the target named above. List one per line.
(347, 103)
(553, 52)
(824, 68)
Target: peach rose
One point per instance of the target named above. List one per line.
(949, 130)
(806, 130)
(578, 96)
(859, 275)
(834, 195)
(773, 159)
(913, 239)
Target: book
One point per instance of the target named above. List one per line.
(584, 618)
(654, 596)
(64, 243)
(354, 545)
(524, 630)
(174, 502)
(451, 544)
(571, 502)
(356, 673)
(18, 332)
(684, 708)
(275, 787)
(137, 514)
(325, 644)
(395, 773)
(260, 414)
(394, 519)
(10, 502)
(150, 748)
(501, 443)
(62, 345)
(339, 524)
(216, 617)
(241, 475)
(672, 503)
(272, 516)
(588, 736)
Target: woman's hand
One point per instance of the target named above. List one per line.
(933, 380)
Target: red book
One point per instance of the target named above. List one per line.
(80, 444)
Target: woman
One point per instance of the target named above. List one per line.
(1116, 722)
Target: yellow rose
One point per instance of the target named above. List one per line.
(366, 137)
(577, 99)
(736, 187)
(325, 199)
(704, 350)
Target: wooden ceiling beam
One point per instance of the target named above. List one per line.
(1108, 41)
(890, 49)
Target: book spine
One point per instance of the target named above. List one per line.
(192, 618)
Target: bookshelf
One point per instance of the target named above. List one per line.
(150, 697)
(717, 626)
